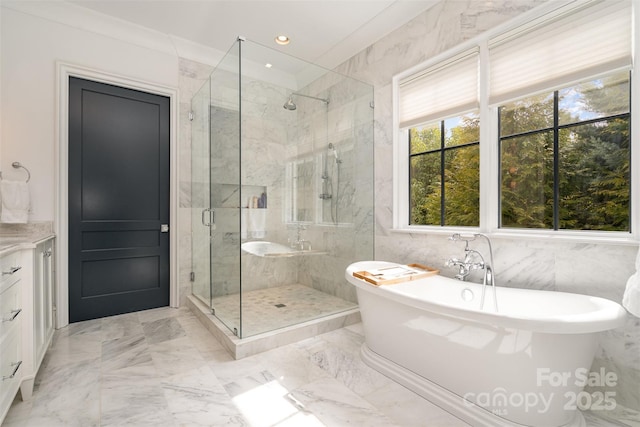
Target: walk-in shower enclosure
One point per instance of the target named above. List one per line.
(282, 189)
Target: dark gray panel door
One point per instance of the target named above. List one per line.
(118, 200)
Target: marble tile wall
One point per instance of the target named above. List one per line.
(272, 137)
(593, 269)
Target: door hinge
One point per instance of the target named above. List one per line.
(190, 116)
(192, 276)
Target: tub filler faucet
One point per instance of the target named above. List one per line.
(299, 243)
(473, 260)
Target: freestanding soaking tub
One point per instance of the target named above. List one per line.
(525, 365)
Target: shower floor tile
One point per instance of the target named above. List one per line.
(274, 308)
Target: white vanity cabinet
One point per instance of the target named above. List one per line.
(26, 306)
(38, 327)
(12, 313)
(43, 298)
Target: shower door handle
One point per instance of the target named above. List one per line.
(204, 211)
(211, 217)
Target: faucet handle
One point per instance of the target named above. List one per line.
(303, 243)
(451, 262)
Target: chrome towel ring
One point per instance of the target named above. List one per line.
(18, 165)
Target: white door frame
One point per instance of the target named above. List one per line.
(61, 221)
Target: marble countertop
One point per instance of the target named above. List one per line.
(10, 242)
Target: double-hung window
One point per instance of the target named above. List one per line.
(565, 157)
(554, 94)
(441, 125)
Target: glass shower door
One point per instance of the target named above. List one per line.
(200, 200)
(225, 190)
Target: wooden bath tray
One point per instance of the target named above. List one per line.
(396, 274)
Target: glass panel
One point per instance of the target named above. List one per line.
(527, 115)
(462, 186)
(304, 190)
(313, 162)
(426, 194)
(462, 130)
(594, 176)
(527, 181)
(425, 138)
(225, 191)
(602, 97)
(200, 237)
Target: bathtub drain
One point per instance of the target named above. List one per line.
(467, 294)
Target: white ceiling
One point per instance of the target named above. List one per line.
(324, 32)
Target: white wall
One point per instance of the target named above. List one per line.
(30, 47)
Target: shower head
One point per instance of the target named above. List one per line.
(290, 105)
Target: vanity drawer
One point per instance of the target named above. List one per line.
(11, 269)
(10, 368)
(10, 308)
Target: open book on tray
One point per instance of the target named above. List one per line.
(395, 274)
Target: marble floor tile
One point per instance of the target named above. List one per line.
(336, 405)
(291, 366)
(125, 352)
(161, 330)
(72, 402)
(121, 326)
(135, 405)
(80, 328)
(196, 398)
(175, 357)
(19, 413)
(338, 354)
(147, 316)
(162, 368)
(409, 409)
(264, 401)
(74, 348)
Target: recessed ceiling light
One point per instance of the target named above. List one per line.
(268, 65)
(282, 40)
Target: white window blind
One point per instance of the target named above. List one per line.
(438, 92)
(580, 43)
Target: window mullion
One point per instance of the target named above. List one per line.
(442, 175)
(556, 162)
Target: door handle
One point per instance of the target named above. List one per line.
(164, 228)
(212, 218)
(206, 224)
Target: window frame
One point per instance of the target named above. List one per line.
(554, 129)
(489, 151)
(441, 150)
